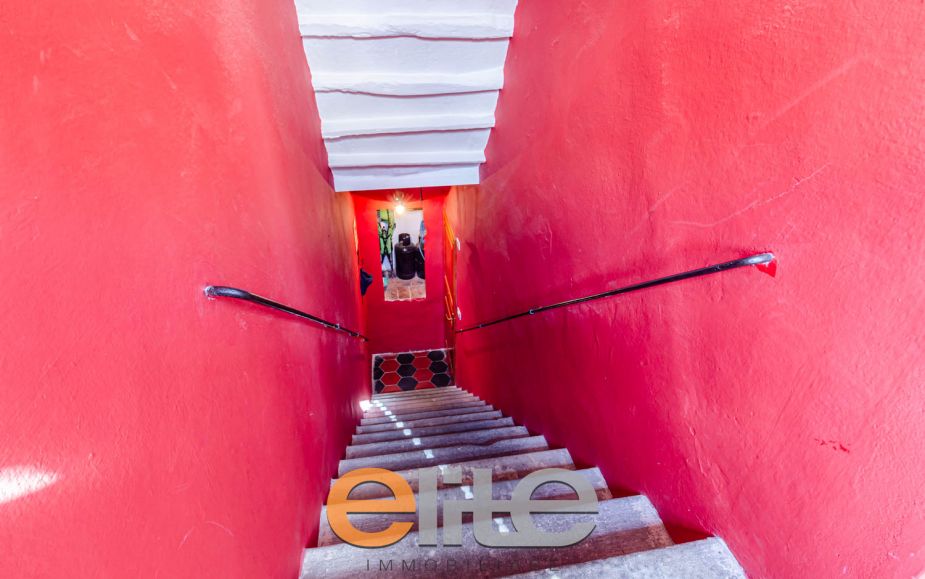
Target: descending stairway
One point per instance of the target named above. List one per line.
(405, 431)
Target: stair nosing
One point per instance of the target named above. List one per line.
(441, 421)
(638, 518)
(522, 431)
(474, 424)
(410, 416)
(539, 441)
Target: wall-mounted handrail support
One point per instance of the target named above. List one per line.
(759, 259)
(230, 292)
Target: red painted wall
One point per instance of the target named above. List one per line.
(146, 151)
(783, 414)
(403, 326)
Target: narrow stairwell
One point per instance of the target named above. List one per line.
(448, 427)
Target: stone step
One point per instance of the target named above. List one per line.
(450, 410)
(623, 526)
(417, 392)
(704, 559)
(405, 405)
(403, 433)
(427, 457)
(410, 405)
(404, 444)
(501, 490)
(439, 421)
(407, 395)
(412, 395)
(418, 395)
(502, 467)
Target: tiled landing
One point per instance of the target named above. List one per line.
(411, 371)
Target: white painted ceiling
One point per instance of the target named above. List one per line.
(406, 88)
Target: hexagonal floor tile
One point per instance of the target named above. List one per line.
(389, 365)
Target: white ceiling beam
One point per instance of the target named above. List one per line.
(337, 106)
(365, 179)
(399, 55)
(332, 129)
(406, 6)
(424, 141)
(383, 25)
(337, 160)
(409, 84)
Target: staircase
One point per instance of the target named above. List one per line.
(442, 427)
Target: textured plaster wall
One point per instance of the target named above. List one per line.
(146, 150)
(637, 139)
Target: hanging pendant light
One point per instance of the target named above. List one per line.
(398, 199)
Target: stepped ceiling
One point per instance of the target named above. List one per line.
(406, 89)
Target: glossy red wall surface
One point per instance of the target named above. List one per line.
(147, 150)
(403, 326)
(638, 139)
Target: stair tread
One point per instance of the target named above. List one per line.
(380, 405)
(436, 421)
(624, 525)
(419, 414)
(408, 407)
(414, 393)
(427, 457)
(448, 427)
(704, 559)
(399, 434)
(392, 402)
(501, 490)
(483, 436)
(503, 468)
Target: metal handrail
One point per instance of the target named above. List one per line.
(759, 259)
(230, 292)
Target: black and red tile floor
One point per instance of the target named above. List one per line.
(411, 371)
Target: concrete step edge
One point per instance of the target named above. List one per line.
(432, 413)
(439, 430)
(436, 421)
(413, 393)
(426, 402)
(623, 526)
(503, 467)
(436, 441)
(704, 559)
(429, 457)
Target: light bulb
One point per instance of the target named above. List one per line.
(400, 208)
